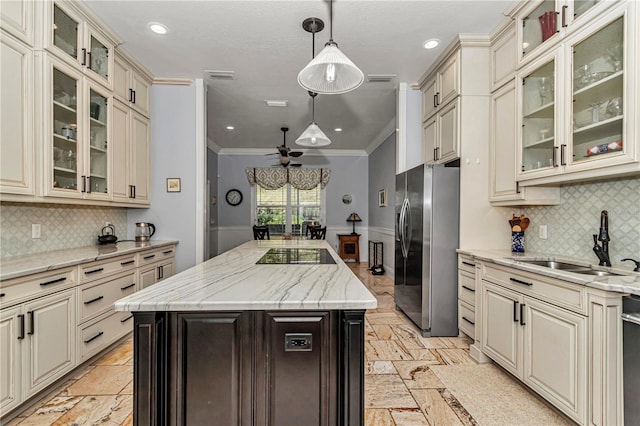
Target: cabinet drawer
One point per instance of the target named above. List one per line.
(96, 298)
(467, 287)
(95, 270)
(147, 257)
(97, 335)
(466, 263)
(557, 292)
(32, 286)
(467, 319)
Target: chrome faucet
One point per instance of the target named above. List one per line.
(602, 252)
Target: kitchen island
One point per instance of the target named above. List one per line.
(269, 333)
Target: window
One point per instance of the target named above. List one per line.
(288, 209)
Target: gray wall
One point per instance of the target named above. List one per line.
(173, 155)
(382, 175)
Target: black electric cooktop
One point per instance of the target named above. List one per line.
(296, 256)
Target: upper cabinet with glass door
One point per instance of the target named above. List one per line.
(72, 37)
(542, 23)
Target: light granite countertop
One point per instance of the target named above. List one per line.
(18, 266)
(233, 281)
(627, 282)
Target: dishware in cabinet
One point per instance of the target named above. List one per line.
(77, 119)
(541, 24)
(70, 36)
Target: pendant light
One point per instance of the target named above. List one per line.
(331, 72)
(312, 135)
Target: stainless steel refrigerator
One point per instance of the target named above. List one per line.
(427, 219)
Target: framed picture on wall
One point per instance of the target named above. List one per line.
(382, 198)
(173, 185)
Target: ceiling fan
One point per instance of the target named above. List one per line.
(285, 152)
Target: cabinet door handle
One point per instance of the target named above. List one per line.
(90, 339)
(2, 295)
(88, 302)
(563, 147)
(84, 57)
(434, 154)
(126, 319)
(32, 323)
(554, 156)
(130, 95)
(21, 327)
(134, 191)
(84, 184)
(94, 271)
(160, 272)
(515, 280)
(437, 153)
(435, 101)
(469, 321)
(515, 311)
(167, 252)
(59, 280)
(437, 98)
(151, 256)
(518, 187)
(89, 59)
(134, 96)
(468, 288)
(127, 286)
(522, 315)
(564, 16)
(128, 262)
(468, 264)
(88, 184)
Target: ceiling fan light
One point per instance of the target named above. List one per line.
(330, 73)
(313, 136)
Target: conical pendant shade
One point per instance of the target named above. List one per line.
(330, 73)
(313, 136)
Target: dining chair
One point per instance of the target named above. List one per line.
(309, 228)
(318, 233)
(261, 233)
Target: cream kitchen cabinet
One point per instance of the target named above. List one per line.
(17, 156)
(442, 87)
(131, 145)
(77, 133)
(504, 189)
(466, 295)
(154, 266)
(37, 346)
(17, 17)
(131, 85)
(503, 54)
(542, 24)
(441, 137)
(577, 102)
(77, 38)
(536, 328)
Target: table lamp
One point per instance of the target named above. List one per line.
(353, 218)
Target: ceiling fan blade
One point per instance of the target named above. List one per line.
(295, 154)
(295, 164)
(273, 153)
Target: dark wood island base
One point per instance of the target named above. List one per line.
(276, 368)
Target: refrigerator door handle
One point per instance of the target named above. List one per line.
(408, 227)
(403, 228)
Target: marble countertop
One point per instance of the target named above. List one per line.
(627, 282)
(233, 281)
(18, 266)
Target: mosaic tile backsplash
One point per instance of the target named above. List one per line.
(62, 226)
(571, 224)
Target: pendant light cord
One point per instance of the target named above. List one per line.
(330, 21)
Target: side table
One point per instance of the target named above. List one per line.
(350, 246)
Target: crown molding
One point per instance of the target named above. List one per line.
(173, 81)
(387, 131)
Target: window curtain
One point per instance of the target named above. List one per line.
(277, 177)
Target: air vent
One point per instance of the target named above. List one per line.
(380, 78)
(221, 75)
(281, 104)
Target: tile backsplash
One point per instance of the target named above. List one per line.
(62, 226)
(572, 223)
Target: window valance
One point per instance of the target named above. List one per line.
(277, 177)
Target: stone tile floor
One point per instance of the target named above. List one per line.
(410, 380)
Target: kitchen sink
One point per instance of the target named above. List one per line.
(552, 264)
(569, 267)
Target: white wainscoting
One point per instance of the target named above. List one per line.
(387, 236)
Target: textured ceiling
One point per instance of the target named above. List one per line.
(264, 43)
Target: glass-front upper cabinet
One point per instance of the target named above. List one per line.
(538, 106)
(547, 21)
(64, 143)
(598, 93)
(73, 39)
(98, 134)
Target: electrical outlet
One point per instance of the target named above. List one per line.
(35, 231)
(542, 232)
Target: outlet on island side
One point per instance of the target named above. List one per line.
(542, 232)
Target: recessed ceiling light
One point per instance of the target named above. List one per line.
(338, 129)
(431, 43)
(230, 127)
(157, 28)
